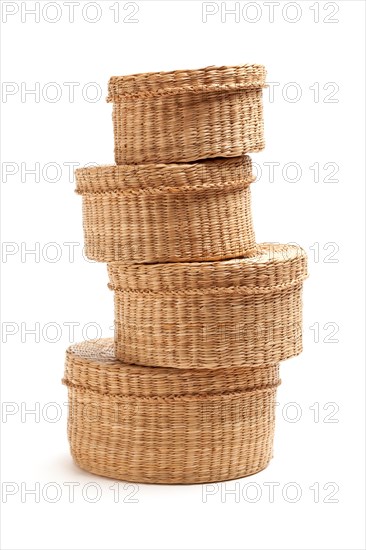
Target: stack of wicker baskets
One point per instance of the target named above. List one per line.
(203, 315)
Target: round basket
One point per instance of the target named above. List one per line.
(149, 425)
(237, 312)
(167, 213)
(182, 116)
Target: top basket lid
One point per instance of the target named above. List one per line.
(208, 79)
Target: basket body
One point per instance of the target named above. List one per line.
(184, 116)
(149, 425)
(239, 312)
(167, 213)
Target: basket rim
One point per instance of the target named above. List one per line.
(203, 397)
(205, 79)
(262, 254)
(218, 161)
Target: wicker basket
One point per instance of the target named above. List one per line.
(167, 213)
(182, 116)
(149, 425)
(238, 312)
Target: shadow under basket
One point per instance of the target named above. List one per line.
(170, 426)
(230, 313)
(183, 116)
(167, 212)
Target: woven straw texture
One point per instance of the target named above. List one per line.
(238, 312)
(149, 425)
(182, 116)
(167, 213)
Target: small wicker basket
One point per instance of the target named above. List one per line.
(149, 425)
(182, 116)
(167, 213)
(237, 312)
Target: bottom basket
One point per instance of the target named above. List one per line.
(167, 425)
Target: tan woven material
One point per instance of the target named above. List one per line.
(167, 213)
(182, 116)
(149, 425)
(238, 312)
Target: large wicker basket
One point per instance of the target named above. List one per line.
(149, 425)
(231, 313)
(182, 116)
(167, 213)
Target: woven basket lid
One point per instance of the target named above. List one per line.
(268, 267)
(208, 79)
(151, 176)
(91, 365)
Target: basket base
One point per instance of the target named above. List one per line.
(143, 480)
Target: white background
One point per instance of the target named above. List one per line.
(325, 444)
